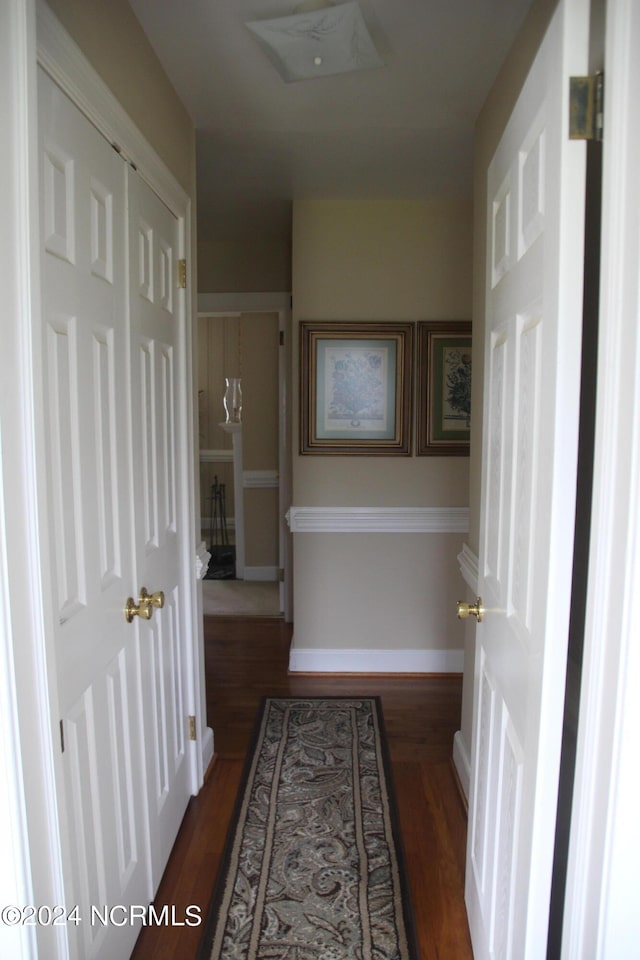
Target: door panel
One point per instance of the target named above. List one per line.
(111, 332)
(155, 326)
(535, 224)
(84, 348)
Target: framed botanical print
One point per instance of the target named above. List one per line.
(356, 388)
(444, 388)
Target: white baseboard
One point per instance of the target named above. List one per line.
(207, 748)
(261, 573)
(462, 762)
(303, 660)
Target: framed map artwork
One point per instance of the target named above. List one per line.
(356, 388)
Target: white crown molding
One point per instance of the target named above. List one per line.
(469, 568)
(303, 660)
(378, 519)
(260, 479)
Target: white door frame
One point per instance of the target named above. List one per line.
(66, 64)
(223, 304)
(30, 821)
(532, 351)
(611, 676)
(62, 59)
(601, 917)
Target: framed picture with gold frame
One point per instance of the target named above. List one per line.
(356, 388)
(444, 388)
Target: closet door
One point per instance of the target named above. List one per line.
(156, 306)
(95, 673)
(113, 326)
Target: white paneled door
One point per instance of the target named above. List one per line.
(153, 264)
(535, 204)
(108, 366)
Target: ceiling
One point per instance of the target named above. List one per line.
(403, 131)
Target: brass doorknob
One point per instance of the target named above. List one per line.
(155, 599)
(471, 610)
(145, 605)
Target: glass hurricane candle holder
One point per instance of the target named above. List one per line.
(233, 399)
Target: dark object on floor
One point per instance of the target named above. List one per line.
(222, 565)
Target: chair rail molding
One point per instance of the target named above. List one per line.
(378, 519)
(261, 479)
(216, 456)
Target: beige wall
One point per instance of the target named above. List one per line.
(378, 260)
(252, 265)
(113, 41)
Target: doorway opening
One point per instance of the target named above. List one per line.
(244, 463)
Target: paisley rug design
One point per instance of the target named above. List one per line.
(313, 867)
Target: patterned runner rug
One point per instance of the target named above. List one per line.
(313, 867)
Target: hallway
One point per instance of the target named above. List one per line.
(248, 658)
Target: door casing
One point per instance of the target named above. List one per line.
(28, 821)
(31, 744)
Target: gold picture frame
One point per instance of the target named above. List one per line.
(444, 388)
(356, 388)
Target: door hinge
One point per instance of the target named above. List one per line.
(586, 107)
(62, 736)
(192, 728)
(282, 338)
(281, 574)
(182, 274)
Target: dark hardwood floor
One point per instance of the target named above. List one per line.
(246, 659)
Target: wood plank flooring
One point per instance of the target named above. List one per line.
(246, 659)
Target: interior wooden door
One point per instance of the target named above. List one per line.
(84, 346)
(157, 316)
(535, 216)
(112, 334)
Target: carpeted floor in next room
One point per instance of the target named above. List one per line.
(240, 598)
(248, 658)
